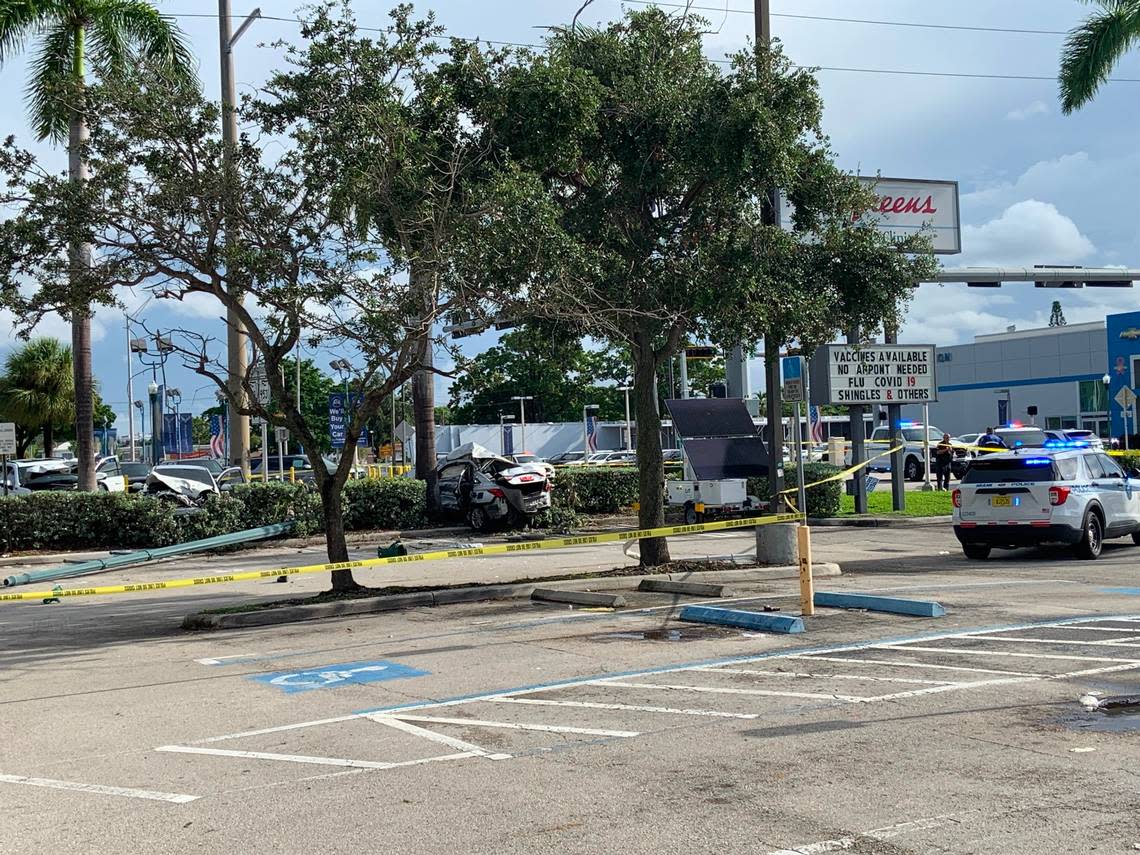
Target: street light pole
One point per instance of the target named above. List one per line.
(130, 387)
(236, 357)
(770, 216)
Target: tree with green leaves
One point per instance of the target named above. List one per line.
(110, 36)
(656, 164)
(36, 392)
(1093, 49)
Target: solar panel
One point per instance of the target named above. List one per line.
(716, 458)
(702, 417)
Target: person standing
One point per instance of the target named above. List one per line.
(943, 458)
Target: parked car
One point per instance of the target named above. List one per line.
(20, 472)
(914, 437)
(108, 477)
(566, 458)
(490, 491)
(135, 472)
(672, 455)
(298, 462)
(1071, 496)
(536, 460)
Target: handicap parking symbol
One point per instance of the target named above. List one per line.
(331, 676)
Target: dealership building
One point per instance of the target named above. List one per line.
(1059, 371)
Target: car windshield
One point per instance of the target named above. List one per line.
(187, 473)
(989, 471)
(215, 466)
(1027, 437)
(135, 470)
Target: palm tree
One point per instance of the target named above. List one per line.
(37, 391)
(1093, 49)
(113, 34)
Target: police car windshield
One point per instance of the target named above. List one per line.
(1023, 437)
(983, 471)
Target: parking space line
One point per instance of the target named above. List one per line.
(509, 725)
(718, 690)
(958, 650)
(801, 674)
(952, 687)
(590, 705)
(1098, 628)
(1014, 639)
(305, 758)
(962, 668)
(441, 738)
(101, 789)
(1131, 666)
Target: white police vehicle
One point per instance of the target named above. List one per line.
(1076, 496)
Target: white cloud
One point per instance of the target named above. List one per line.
(1036, 108)
(1027, 232)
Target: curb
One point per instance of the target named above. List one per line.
(481, 593)
(879, 522)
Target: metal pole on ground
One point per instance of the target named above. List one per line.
(264, 450)
(628, 423)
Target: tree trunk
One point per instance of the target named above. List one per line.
(332, 511)
(650, 467)
(79, 258)
(423, 401)
(49, 439)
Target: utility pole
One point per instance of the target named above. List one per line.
(237, 426)
(763, 18)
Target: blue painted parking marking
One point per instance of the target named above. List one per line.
(331, 676)
(1135, 592)
(894, 605)
(737, 617)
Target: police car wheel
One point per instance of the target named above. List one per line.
(976, 551)
(1093, 540)
(911, 469)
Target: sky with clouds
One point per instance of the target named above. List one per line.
(1037, 186)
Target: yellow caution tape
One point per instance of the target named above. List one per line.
(440, 555)
(842, 475)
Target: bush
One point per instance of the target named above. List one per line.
(822, 501)
(62, 520)
(558, 517)
(1128, 460)
(395, 503)
(596, 490)
(274, 502)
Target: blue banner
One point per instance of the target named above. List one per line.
(177, 433)
(339, 417)
(508, 440)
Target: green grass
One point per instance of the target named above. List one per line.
(917, 504)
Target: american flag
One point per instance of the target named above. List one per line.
(217, 437)
(815, 421)
(592, 434)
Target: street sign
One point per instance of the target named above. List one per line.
(405, 433)
(874, 374)
(1126, 398)
(259, 383)
(281, 434)
(792, 368)
(8, 438)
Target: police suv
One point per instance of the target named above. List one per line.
(1075, 496)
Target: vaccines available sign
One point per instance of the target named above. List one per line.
(874, 374)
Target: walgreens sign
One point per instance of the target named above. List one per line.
(907, 206)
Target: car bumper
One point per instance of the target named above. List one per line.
(1014, 536)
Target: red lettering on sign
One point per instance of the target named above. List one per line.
(906, 205)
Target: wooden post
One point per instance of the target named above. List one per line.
(807, 586)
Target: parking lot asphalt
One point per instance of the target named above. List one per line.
(520, 727)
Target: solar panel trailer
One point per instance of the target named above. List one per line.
(721, 451)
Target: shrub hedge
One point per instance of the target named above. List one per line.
(822, 500)
(65, 520)
(596, 490)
